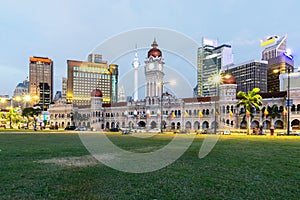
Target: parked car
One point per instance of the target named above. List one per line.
(82, 128)
(70, 128)
(226, 132)
(126, 131)
(114, 130)
(154, 130)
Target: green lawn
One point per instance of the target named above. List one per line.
(239, 167)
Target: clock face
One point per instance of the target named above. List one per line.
(151, 66)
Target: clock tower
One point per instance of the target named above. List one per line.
(154, 73)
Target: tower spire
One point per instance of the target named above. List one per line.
(136, 67)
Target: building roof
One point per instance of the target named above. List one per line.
(197, 99)
(21, 85)
(267, 95)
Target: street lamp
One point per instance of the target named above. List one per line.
(216, 79)
(288, 104)
(161, 101)
(288, 101)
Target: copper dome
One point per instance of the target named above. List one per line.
(229, 79)
(154, 52)
(96, 93)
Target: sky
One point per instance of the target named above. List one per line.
(70, 29)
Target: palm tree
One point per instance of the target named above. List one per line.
(249, 101)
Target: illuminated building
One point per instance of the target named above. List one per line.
(273, 52)
(96, 73)
(249, 75)
(185, 114)
(273, 46)
(41, 81)
(64, 89)
(211, 60)
(277, 66)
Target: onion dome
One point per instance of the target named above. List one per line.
(154, 52)
(96, 93)
(229, 79)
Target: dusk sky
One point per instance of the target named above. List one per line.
(70, 29)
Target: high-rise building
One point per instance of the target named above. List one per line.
(57, 96)
(84, 77)
(249, 75)
(274, 51)
(64, 89)
(277, 66)
(41, 81)
(273, 46)
(212, 59)
(21, 89)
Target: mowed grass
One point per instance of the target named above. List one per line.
(239, 167)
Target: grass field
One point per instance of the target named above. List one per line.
(57, 166)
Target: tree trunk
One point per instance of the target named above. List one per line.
(248, 125)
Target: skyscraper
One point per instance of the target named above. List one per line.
(64, 89)
(274, 52)
(41, 81)
(212, 59)
(249, 75)
(84, 77)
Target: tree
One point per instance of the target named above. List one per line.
(12, 116)
(272, 113)
(31, 113)
(249, 102)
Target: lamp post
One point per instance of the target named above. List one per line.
(161, 101)
(161, 107)
(288, 103)
(216, 79)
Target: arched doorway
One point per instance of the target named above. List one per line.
(188, 125)
(254, 124)
(214, 124)
(266, 124)
(295, 124)
(173, 125)
(196, 125)
(205, 125)
(278, 124)
(153, 125)
(142, 124)
(113, 125)
(178, 125)
(243, 125)
(107, 125)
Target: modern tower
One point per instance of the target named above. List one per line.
(135, 65)
(64, 89)
(41, 81)
(212, 59)
(83, 77)
(249, 75)
(154, 72)
(274, 52)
